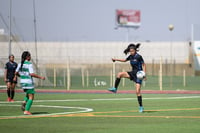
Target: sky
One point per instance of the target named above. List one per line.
(94, 20)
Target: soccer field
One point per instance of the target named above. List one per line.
(102, 113)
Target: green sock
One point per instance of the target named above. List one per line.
(28, 104)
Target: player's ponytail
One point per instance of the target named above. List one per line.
(137, 46)
(132, 46)
(25, 54)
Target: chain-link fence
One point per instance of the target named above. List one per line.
(101, 76)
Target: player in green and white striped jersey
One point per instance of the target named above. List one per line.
(26, 73)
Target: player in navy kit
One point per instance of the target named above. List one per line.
(137, 64)
(10, 78)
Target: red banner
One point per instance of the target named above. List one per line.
(128, 18)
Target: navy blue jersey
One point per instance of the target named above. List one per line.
(136, 62)
(11, 67)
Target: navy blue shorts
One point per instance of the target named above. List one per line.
(10, 80)
(133, 77)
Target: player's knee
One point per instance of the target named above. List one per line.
(31, 96)
(138, 93)
(8, 87)
(119, 75)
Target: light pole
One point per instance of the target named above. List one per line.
(10, 30)
(127, 38)
(127, 34)
(128, 30)
(35, 36)
(171, 28)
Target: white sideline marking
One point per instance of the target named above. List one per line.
(82, 110)
(108, 99)
(3, 86)
(153, 98)
(184, 97)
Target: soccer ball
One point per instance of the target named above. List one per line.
(140, 75)
(171, 27)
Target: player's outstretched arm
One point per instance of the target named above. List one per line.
(37, 76)
(120, 60)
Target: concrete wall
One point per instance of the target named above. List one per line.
(96, 52)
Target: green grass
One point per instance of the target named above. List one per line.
(161, 114)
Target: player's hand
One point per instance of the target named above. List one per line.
(113, 60)
(43, 78)
(145, 78)
(15, 79)
(5, 79)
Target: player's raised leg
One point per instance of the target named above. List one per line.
(117, 81)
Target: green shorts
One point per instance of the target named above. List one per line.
(29, 91)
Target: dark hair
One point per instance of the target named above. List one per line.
(25, 54)
(132, 46)
(10, 56)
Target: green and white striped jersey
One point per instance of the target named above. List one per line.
(26, 80)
